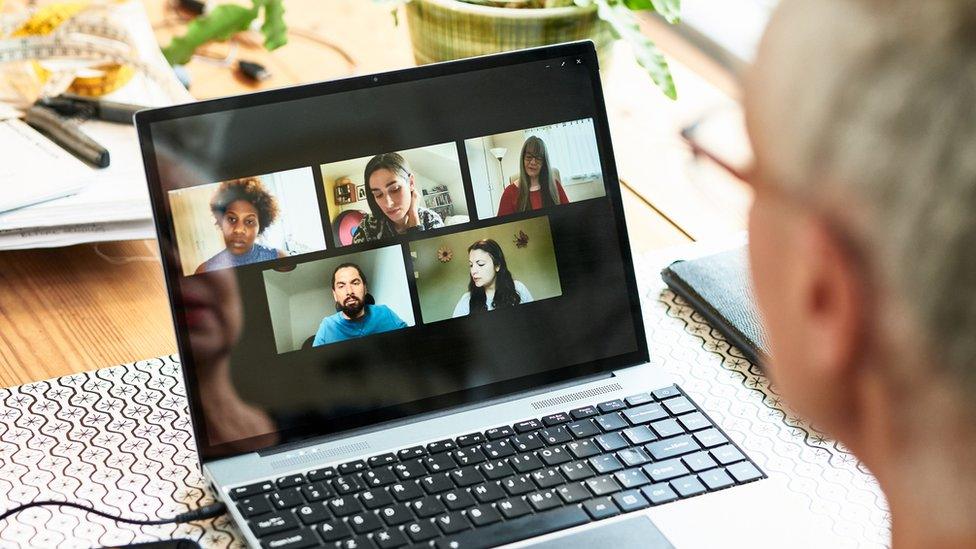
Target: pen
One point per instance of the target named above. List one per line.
(67, 134)
(109, 111)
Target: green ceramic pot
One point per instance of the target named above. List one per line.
(450, 29)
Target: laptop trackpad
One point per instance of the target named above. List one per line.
(637, 531)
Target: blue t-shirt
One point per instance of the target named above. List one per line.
(378, 318)
(225, 259)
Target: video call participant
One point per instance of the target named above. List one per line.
(393, 201)
(490, 285)
(242, 210)
(538, 185)
(357, 316)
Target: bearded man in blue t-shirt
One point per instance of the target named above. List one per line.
(355, 317)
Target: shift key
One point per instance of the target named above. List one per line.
(671, 447)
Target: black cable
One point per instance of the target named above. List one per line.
(200, 513)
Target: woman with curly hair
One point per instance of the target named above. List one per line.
(394, 202)
(242, 210)
(491, 285)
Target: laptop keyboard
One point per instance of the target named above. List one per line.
(505, 484)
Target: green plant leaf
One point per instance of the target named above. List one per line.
(224, 21)
(274, 29)
(670, 10)
(623, 24)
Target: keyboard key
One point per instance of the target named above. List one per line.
(716, 479)
(495, 470)
(375, 478)
(362, 523)
(466, 476)
(468, 456)
(344, 506)
(671, 447)
(251, 489)
(438, 463)
(358, 542)
(571, 493)
(513, 507)
(612, 406)
(498, 449)
(667, 428)
(382, 459)
(527, 442)
(666, 470)
(421, 531)
(252, 507)
(645, 414)
(727, 454)
(518, 485)
(352, 467)
(710, 438)
(639, 435)
(659, 493)
(631, 478)
(437, 483)
(695, 421)
(744, 471)
(445, 445)
(583, 448)
(456, 500)
(584, 412)
(294, 539)
(556, 419)
(316, 492)
(699, 461)
(543, 501)
(327, 473)
(555, 435)
(373, 499)
(555, 455)
(525, 527)
(547, 478)
(499, 433)
(678, 406)
(346, 485)
(412, 453)
(611, 422)
(611, 441)
(427, 507)
(632, 457)
(286, 499)
(488, 492)
(666, 393)
(601, 508)
(313, 514)
(404, 491)
(333, 530)
(577, 470)
(688, 486)
(638, 399)
(601, 486)
(483, 515)
(631, 500)
(607, 463)
(274, 523)
(526, 463)
(452, 523)
(527, 426)
(470, 440)
(583, 429)
(290, 480)
(389, 538)
(394, 515)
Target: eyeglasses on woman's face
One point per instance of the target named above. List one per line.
(529, 158)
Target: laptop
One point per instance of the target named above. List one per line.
(407, 315)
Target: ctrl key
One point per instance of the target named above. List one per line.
(295, 539)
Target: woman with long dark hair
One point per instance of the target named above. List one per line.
(394, 202)
(538, 185)
(490, 285)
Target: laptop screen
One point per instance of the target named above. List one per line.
(354, 252)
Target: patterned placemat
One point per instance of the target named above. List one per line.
(120, 439)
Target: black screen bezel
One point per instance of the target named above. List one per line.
(171, 271)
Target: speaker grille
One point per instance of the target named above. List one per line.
(311, 457)
(564, 399)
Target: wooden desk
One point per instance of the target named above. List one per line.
(91, 306)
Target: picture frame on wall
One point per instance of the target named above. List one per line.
(360, 192)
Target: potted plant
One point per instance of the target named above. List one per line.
(450, 29)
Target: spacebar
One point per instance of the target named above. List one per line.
(518, 529)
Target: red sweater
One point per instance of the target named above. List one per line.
(509, 201)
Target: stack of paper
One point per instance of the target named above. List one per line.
(110, 203)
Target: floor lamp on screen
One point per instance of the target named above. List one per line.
(499, 153)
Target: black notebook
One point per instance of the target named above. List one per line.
(720, 289)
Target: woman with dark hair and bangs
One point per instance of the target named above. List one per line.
(242, 210)
(491, 285)
(538, 185)
(394, 202)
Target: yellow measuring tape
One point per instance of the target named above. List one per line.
(94, 80)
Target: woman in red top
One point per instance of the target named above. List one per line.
(537, 187)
